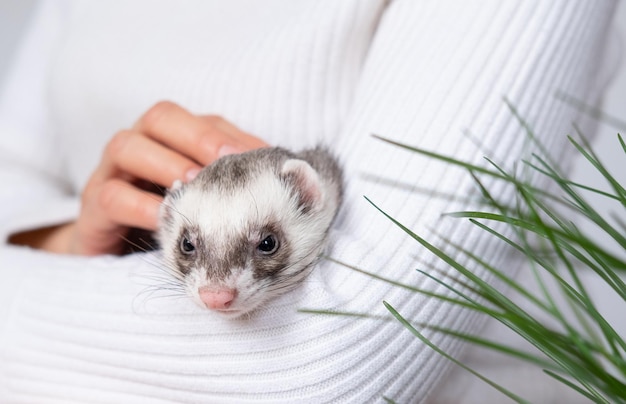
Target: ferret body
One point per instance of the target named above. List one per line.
(250, 226)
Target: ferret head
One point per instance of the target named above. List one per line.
(248, 228)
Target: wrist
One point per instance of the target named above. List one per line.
(55, 239)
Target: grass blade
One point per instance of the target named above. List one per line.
(434, 347)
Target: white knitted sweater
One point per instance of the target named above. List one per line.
(294, 73)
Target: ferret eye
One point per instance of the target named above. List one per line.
(186, 246)
(268, 246)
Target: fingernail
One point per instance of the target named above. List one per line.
(227, 149)
(191, 174)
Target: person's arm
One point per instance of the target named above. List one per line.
(166, 144)
(437, 71)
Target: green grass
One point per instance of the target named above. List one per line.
(587, 354)
(577, 346)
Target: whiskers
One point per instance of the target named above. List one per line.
(161, 283)
(139, 240)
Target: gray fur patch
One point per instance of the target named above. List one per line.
(269, 265)
(234, 171)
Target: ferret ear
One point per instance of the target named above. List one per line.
(305, 180)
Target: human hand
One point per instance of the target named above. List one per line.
(168, 143)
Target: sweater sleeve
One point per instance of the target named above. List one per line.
(34, 193)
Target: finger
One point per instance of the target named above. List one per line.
(234, 132)
(180, 130)
(141, 157)
(126, 205)
(243, 140)
(197, 138)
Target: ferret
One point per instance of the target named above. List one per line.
(250, 226)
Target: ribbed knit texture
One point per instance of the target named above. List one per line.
(294, 73)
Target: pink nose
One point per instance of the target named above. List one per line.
(216, 299)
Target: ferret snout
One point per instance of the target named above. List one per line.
(217, 299)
